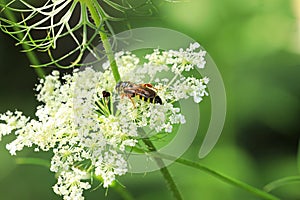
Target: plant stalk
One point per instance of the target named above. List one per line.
(122, 191)
(99, 19)
(164, 170)
(30, 54)
(257, 192)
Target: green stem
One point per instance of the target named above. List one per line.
(164, 170)
(122, 191)
(33, 161)
(119, 188)
(260, 193)
(282, 182)
(99, 18)
(30, 54)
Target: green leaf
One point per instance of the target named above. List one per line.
(282, 182)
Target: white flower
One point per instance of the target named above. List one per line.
(12, 121)
(109, 166)
(69, 184)
(86, 130)
(185, 60)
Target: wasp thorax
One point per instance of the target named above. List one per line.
(121, 85)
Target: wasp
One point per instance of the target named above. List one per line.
(145, 92)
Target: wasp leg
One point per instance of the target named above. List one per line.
(133, 103)
(129, 96)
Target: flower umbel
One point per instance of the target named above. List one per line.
(91, 128)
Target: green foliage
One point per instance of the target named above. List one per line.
(254, 45)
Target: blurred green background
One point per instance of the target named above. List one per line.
(256, 46)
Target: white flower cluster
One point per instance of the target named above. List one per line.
(89, 132)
